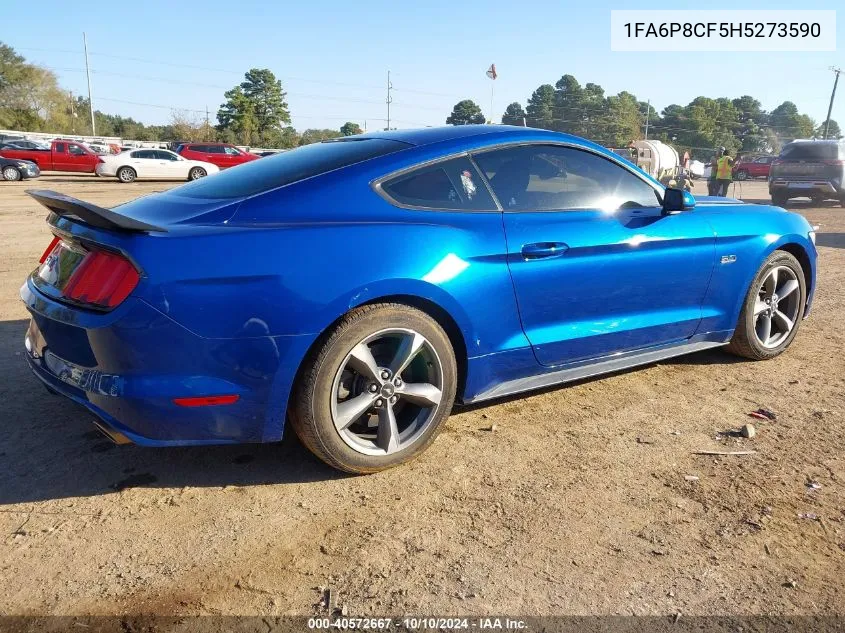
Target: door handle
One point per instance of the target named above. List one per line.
(544, 250)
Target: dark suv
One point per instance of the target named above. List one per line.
(814, 169)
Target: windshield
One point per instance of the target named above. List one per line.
(816, 151)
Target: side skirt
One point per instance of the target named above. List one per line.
(613, 364)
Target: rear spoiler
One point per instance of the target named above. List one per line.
(91, 214)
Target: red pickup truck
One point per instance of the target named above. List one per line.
(62, 156)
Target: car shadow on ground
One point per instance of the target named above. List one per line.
(50, 449)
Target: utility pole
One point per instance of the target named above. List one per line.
(88, 73)
(832, 95)
(389, 98)
(207, 126)
(647, 113)
(72, 115)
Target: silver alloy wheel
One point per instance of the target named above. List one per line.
(197, 173)
(126, 174)
(387, 391)
(777, 307)
(10, 173)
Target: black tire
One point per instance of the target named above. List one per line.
(818, 200)
(742, 175)
(126, 174)
(745, 342)
(11, 173)
(780, 199)
(196, 173)
(311, 401)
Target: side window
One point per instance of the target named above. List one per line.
(452, 185)
(213, 149)
(75, 150)
(60, 148)
(231, 151)
(162, 155)
(550, 178)
(198, 148)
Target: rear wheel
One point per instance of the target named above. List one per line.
(779, 199)
(742, 175)
(772, 310)
(11, 173)
(818, 200)
(375, 391)
(196, 173)
(126, 174)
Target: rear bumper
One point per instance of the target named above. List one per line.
(102, 169)
(804, 187)
(126, 367)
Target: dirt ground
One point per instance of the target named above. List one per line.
(580, 502)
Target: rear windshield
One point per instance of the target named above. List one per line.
(820, 151)
(288, 167)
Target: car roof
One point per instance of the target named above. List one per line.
(816, 141)
(429, 135)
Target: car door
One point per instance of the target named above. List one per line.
(143, 161)
(761, 167)
(79, 158)
(61, 160)
(232, 156)
(597, 267)
(169, 165)
(216, 155)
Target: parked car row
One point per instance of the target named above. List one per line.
(189, 162)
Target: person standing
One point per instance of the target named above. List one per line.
(711, 179)
(724, 172)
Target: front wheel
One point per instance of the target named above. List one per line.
(772, 310)
(11, 173)
(126, 174)
(196, 173)
(742, 175)
(374, 393)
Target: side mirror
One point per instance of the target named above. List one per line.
(675, 201)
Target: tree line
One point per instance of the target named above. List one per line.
(739, 125)
(255, 112)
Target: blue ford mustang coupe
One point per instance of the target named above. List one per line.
(358, 287)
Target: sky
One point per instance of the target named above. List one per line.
(153, 57)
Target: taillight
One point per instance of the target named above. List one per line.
(96, 277)
(49, 250)
(102, 279)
